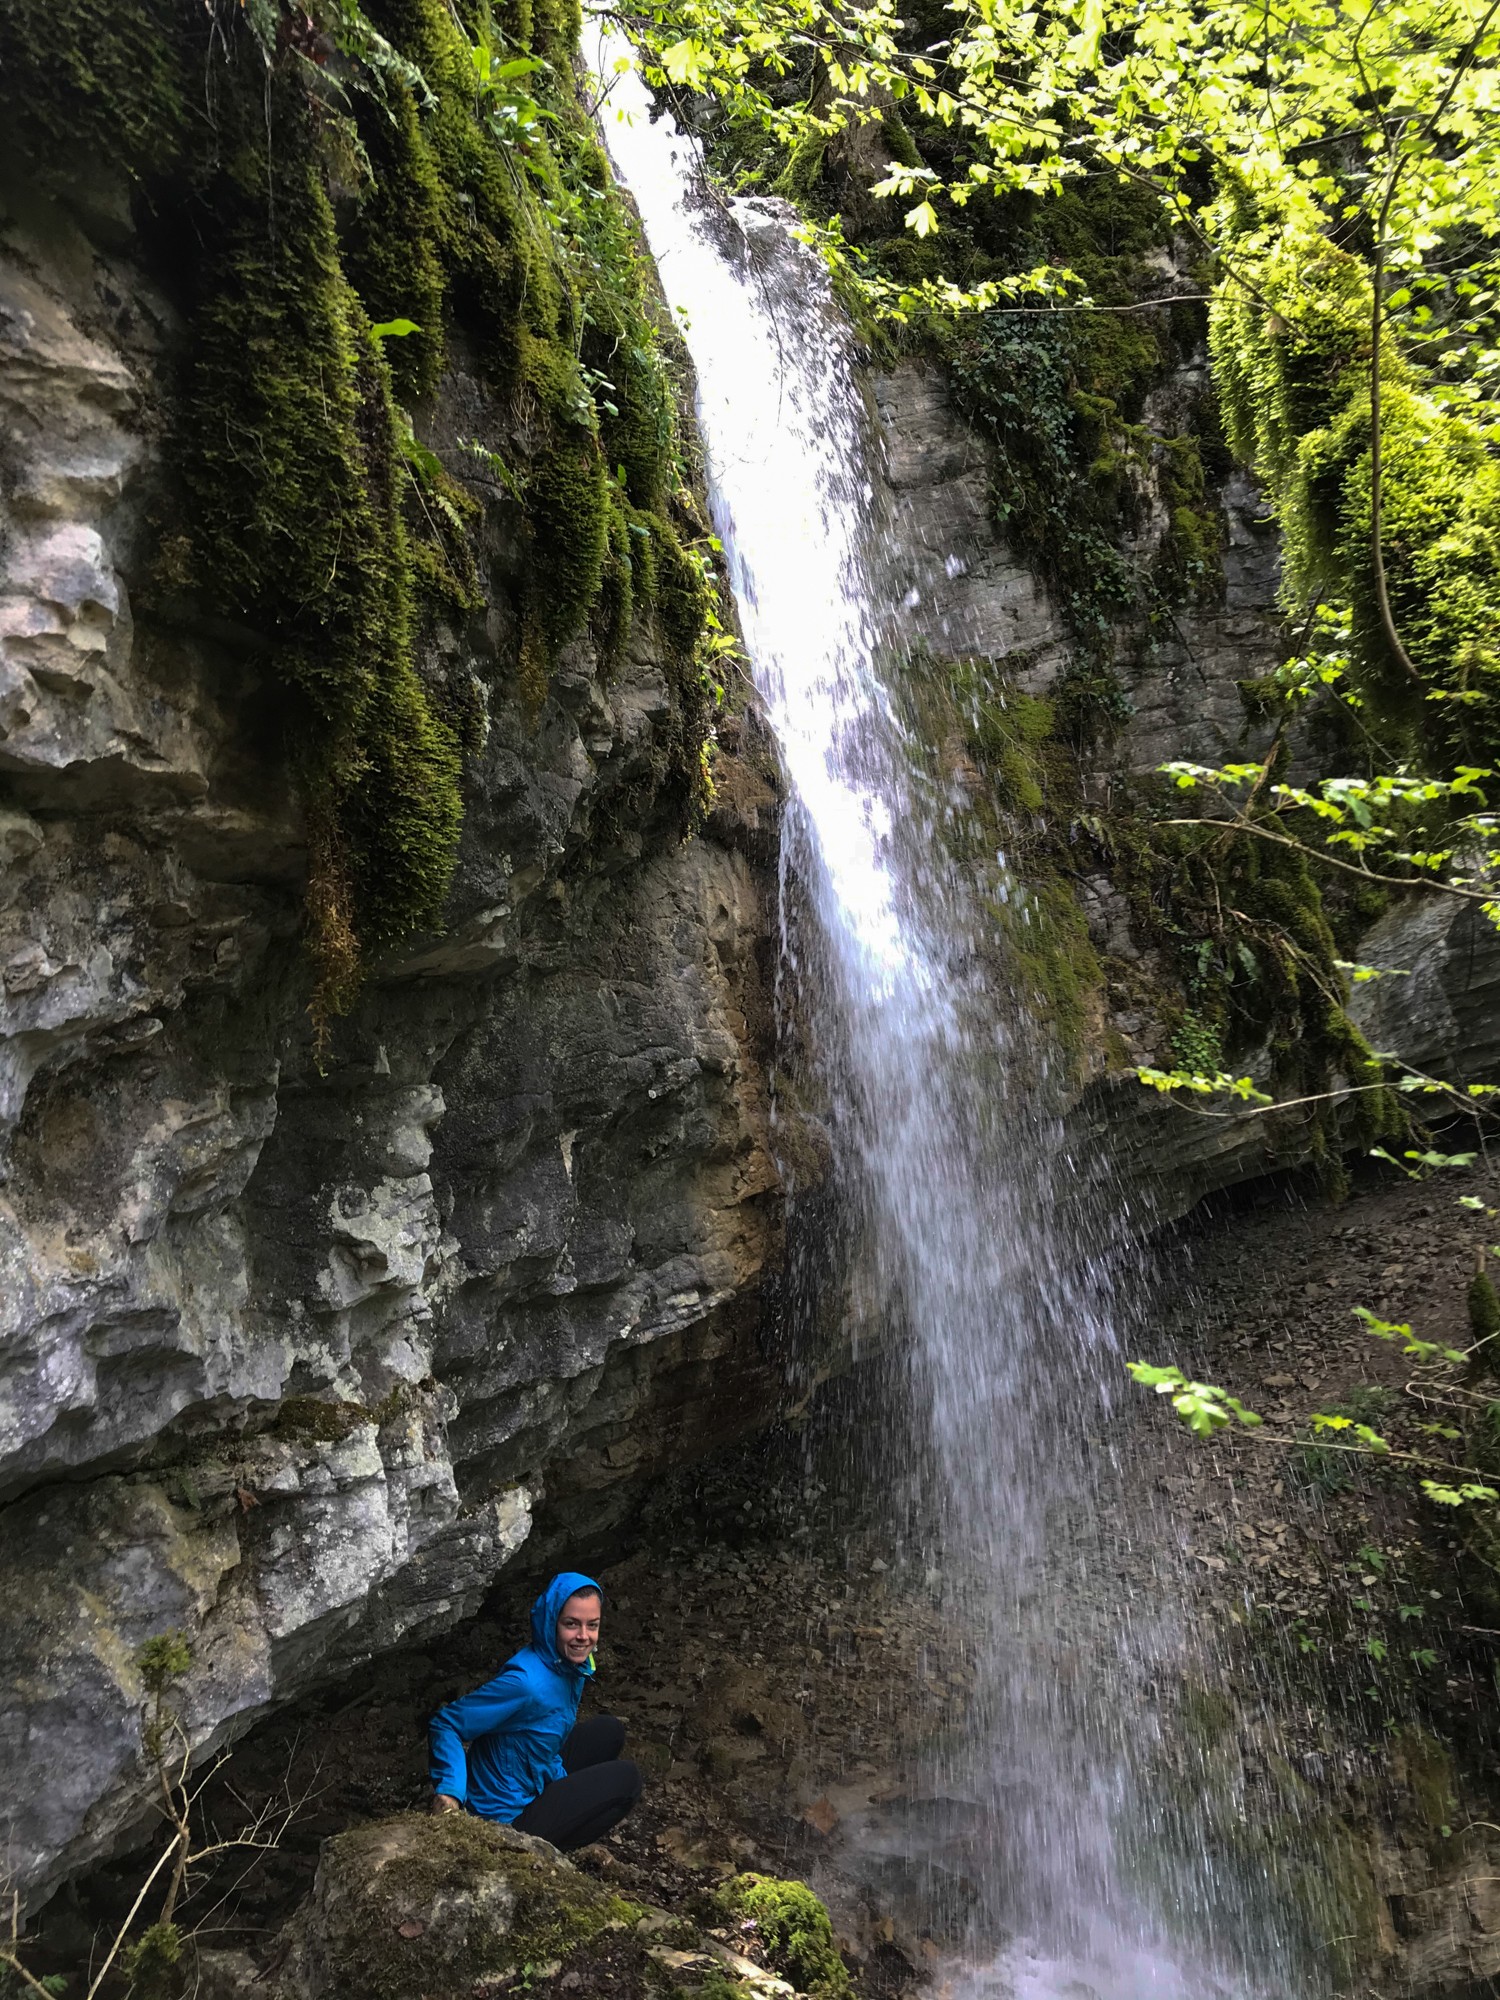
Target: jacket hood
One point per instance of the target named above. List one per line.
(546, 1612)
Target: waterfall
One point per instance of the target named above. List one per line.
(973, 1233)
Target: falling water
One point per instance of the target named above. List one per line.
(976, 1241)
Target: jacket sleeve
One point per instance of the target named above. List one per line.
(498, 1704)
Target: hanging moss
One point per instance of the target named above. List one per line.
(1063, 399)
(556, 27)
(1009, 731)
(98, 80)
(390, 246)
(313, 512)
(617, 589)
(1188, 567)
(570, 526)
(677, 593)
(1293, 365)
(500, 268)
(291, 462)
(574, 349)
(804, 169)
(1441, 545)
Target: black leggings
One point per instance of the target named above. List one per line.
(600, 1788)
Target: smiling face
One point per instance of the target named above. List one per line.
(578, 1627)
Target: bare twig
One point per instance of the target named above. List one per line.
(8, 1953)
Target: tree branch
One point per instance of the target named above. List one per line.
(1337, 861)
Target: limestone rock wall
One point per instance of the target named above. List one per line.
(292, 1344)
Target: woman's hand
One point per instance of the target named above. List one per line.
(443, 1804)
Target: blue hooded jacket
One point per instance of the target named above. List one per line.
(514, 1727)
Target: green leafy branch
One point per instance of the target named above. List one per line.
(1202, 1407)
(1207, 1409)
(1362, 815)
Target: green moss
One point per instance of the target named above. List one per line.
(501, 273)
(1053, 958)
(291, 462)
(391, 243)
(1009, 730)
(677, 594)
(1021, 779)
(715, 1985)
(898, 139)
(1293, 365)
(1062, 396)
(1018, 381)
(1255, 953)
(553, 1917)
(1441, 544)
(556, 27)
(527, 1909)
(803, 170)
(1427, 1766)
(96, 81)
(617, 589)
(151, 1962)
(1188, 565)
(570, 519)
(312, 1419)
(793, 1929)
(314, 514)
(1207, 1715)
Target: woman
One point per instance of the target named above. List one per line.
(514, 1750)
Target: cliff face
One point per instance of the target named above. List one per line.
(295, 1341)
(971, 597)
(297, 1336)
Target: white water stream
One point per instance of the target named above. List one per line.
(938, 1076)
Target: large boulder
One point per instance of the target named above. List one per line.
(455, 1908)
(415, 1906)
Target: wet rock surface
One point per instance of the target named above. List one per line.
(1146, 1161)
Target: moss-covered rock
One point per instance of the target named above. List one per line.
(349, 168)
(792, 1929)
(1293, 352)
(96, 80)
(415, 1906)
(292, 464)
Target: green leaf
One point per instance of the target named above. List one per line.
(395, 329)
(686, 62)
(1202, 1407)
(1457, 1496)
